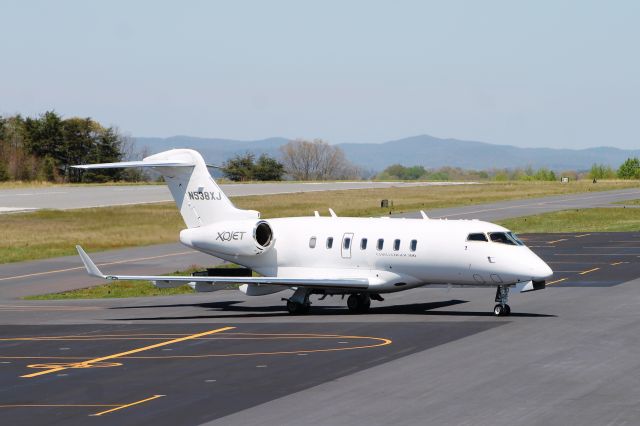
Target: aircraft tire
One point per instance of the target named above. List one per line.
(499, 310)
(297, 308)
(358, 303)
(353, 303)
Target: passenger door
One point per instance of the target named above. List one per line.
(347, 242)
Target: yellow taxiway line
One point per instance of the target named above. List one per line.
(589, 271)
(120, 407)
(557, 241)
(115, 407)
(86, 364)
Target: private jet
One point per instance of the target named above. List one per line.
(360, 258)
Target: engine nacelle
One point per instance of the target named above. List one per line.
(231, 237)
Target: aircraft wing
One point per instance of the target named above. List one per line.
(350, 283)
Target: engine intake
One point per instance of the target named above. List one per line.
(231, 237)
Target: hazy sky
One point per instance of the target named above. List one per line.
(536, 73)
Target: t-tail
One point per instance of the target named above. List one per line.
(196, 193)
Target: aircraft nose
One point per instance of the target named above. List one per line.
(541, 271)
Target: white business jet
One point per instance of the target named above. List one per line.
(361, 258)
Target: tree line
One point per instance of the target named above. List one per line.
(44, 147)
(630, 169)
(300, 160)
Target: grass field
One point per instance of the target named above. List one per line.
(45, 234)
(582, 220)
(115, 290)
(630, 202)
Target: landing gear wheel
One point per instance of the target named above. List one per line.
(297, 308)
(501, 310)
(353, 303)
(358, 303)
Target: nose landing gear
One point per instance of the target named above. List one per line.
(502, 297)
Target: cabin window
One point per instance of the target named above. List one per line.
(396, 245)
(503, 238)
(414, 245)
(312, 242)
(477, 237)
(363, 244)
(380, 244)
(329, 242)
(346, 243)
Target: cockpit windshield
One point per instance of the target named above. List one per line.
(478, 236)
(508, 238)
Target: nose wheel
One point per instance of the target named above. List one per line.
(501, 310)
(502, 297)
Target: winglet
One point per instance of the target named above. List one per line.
(92, 269)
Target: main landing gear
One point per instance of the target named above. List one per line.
(502, 297)
(358, 303)
(298, 303)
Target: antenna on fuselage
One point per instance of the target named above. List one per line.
(332, 213)
(316, 213)
(424, 215)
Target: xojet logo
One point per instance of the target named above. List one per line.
(230, 236)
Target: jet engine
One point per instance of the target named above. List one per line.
(231, 237)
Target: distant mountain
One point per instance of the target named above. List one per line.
(424, 150)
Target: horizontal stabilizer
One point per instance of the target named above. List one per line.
(143, 163)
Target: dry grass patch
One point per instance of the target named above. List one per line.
(51, 233)
(366, 202)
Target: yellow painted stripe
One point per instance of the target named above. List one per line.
(583, 235)
(88, 363)
(588, 271)
(617, 263)
(56, 271)
(557, 281)
(128, 405)
(556, 241)
(56, 405)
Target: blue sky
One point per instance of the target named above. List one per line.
(537, 73)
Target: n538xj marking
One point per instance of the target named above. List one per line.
(362, 258)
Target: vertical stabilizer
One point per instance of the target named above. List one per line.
(197, 195)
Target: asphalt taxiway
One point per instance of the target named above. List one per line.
(567, 354)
